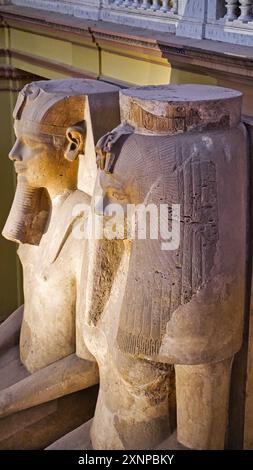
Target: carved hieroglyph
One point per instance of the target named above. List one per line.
(144, 305)
(56, 122)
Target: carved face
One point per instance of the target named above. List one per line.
(110, 189)
(37, 158)
(138, 176)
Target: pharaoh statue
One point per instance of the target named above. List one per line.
(56, 124)
(151, 300)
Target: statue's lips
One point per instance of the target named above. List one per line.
(19, 167)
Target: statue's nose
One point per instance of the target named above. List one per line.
(15, 154)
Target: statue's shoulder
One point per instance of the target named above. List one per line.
(75, 199)
(75, 206)
(74, 209)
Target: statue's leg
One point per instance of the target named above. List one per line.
(136, 404)
(202, 404)
(10, 330)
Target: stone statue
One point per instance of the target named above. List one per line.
(57, 123)
(151, 302)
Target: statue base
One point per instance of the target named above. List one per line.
(37, 409)
(79, 439)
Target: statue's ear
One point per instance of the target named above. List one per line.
(75, 136)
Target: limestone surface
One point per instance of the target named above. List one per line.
(150, 305)
(56, 123)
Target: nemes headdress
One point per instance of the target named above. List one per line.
(49, 108)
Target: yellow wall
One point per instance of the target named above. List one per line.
(111, 63)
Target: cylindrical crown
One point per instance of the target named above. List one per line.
(173, 109)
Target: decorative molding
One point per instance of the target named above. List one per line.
(7, 72)
(12, 79)
(187, 18)
(201, 56)
(88, 9)
(184, 54)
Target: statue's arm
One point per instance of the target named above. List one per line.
(68, 375)
(10, 329)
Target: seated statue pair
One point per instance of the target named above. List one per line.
(156, 313)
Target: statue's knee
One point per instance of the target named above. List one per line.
(140, 372)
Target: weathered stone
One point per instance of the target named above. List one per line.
(10, 330)
(50, 125)
(63, 377)
(35, 428)
(78, 439)
(149, 305)
(56, 127)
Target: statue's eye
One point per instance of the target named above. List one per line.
(30, 142)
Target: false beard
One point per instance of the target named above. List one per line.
(28, 216)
